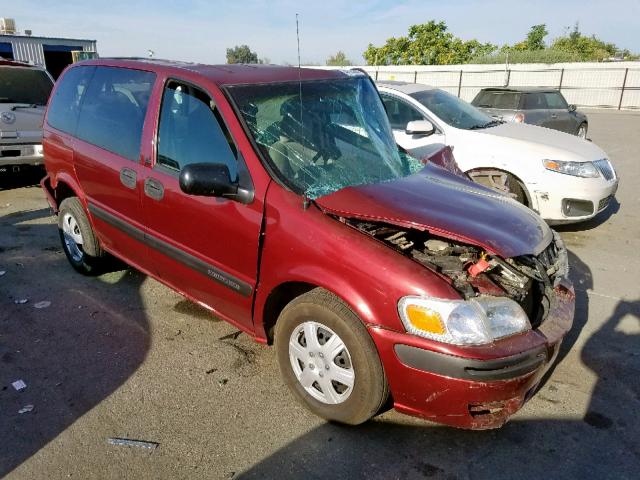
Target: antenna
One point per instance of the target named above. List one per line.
(305, 201)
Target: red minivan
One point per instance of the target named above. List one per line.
(278, 199)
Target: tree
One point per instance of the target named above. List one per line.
(535, 37)
(338, 60)
(586, 48)
(241, 54)
(427, 44)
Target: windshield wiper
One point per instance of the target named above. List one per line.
(29, 105)
(492, 123)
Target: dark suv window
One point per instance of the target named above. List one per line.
(64, 106)
(497, 99)
(192, 130)
(113, 110)
(535, 101)
(555, 100)
(400, 113)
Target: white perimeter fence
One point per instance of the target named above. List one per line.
(598, 85)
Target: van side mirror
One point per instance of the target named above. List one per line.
(420, 127)
(572, 108)
(208, 180)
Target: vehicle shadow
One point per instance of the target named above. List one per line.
(602, 217)
(73, 353)
(604, 444)
(29, 177)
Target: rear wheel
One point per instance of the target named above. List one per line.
(328, 359)
(501, 182)
(582, 130)
(79, 241)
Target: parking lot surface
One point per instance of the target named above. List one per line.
(120, 355)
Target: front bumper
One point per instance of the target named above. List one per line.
(472, 387)
(566, 199)
(16, 155)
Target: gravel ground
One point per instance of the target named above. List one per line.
(122, 356)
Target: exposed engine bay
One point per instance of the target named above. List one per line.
(528, 279)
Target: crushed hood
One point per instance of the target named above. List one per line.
(448, 205)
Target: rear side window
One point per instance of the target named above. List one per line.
(555, 100)
(400, 113)
(535, 101)
(113, 111)
(500, 100)
(192, 130)
(24, 85)
(64, 106)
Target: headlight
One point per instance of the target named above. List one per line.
(37, 149)
(462, 322)
(577, 169)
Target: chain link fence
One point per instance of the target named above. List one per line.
(601, 86)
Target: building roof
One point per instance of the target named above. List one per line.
(228, 74)
(9, 36)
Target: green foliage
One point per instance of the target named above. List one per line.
(427, 44)
(241, 54)
(586, 48)
(535, 37)
(338, 60)
(548, 55)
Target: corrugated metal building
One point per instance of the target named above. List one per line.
(52, 53)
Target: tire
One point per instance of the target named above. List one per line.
(582, 130)
(501, 182)
(369, 391)
(78, 239)
(516, 189)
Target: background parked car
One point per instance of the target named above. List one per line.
(563, 178)
(536, 106)
(24, 90)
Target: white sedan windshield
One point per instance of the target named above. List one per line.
(453, 111)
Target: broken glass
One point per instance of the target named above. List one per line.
(323, 135)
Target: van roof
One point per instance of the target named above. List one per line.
(228, 74)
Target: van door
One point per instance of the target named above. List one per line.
(205, 247)
(108, 157)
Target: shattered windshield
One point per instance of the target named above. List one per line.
(323, 135)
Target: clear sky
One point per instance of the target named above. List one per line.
(201, 30)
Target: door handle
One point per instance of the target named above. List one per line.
(553, 115)
(128, 178)
(153, 189)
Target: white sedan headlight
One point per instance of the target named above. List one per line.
(577, 169)
(463, 322)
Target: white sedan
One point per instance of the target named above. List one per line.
(562, 177)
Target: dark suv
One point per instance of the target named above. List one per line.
(536, 106)
(278, 199)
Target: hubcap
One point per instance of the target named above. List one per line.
(321, 363)
(582, 133)
(494, 179)
(72, 237)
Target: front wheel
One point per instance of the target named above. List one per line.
(582, 130)
(79, 242)
(328, 359)
(501, 182)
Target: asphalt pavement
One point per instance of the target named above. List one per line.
(122, 356)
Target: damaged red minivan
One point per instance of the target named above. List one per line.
(278, 199)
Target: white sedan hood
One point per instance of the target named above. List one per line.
(521, 140)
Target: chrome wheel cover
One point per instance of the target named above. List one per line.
(321, 362)
(72, 237)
